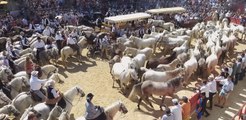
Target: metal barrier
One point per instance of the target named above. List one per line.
(240, 112)
(235, 20)
(193, 102)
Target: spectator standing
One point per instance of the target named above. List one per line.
(225, 90)
(39, 46)
(238, 70)
(186, 106)
(205, 89)
(199, 106)
(212, 85)
(168, 115)
(59, 39)
(176, 110)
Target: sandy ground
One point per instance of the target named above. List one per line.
(93, 76)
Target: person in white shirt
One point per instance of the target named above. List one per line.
(39, 45)
(176, 110)
(205, 89)
(104, 45)
(225, 91)
(24, 41)
(168, 115)
(52, 93)
(59, 39)
(71, 42)
(74, 34)
(212, 85)
(153, 29)
(36, 85)
(47, 31)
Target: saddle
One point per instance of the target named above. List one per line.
(35, 97)
(61, 103)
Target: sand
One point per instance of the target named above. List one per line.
(93, 76)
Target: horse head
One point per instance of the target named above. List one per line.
(80, 91)
(64, 115)
(6, 74)
(55, 112)
(12, 109)
(133, 74)
(122, 107)
(25, 81)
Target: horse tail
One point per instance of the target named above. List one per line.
(136, 90)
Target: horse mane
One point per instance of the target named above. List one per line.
(174, 72)
(112, 109)
(175, 61)
(175, 82)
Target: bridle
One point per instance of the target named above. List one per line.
(78, 91)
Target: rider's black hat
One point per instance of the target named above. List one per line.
(89, 96)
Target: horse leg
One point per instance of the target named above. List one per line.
(139, 102)
(147, 100)
(162, 101)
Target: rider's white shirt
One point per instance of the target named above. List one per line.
(35, 83)
(70, 41)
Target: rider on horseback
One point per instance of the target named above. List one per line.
(71, 42)
(93, 112)
(53, 94)
(39, 46)
(36, 86)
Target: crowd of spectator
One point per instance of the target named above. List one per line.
(221, 85)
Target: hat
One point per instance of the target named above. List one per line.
(175, 101)
(51, 83)
(210, 77)
(34, 73)
(89, 96)
(22, 33)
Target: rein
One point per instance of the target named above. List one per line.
(70, 101)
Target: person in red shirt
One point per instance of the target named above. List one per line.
(29, 67)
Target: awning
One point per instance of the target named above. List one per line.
(3, 2)
(128, 17)
(167, 10)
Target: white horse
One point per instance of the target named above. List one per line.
(212, 61)
(23, 52)
(56, 78)
(5, 74)
(133, 52)
(138, 61)
(143, 43)
(190, 66)
(196, 51)
(169, 26)
(47, 70)
(159, 76)
(25, 97)
(170, 66)
(21, 73)
(123, 74)
(157, 23)
(55, 113)
(69, 96)
(64, 115)
(112, 110)
(4, 100)
(9, 109)
(16, 85)
(68, 51)
(182, 48)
